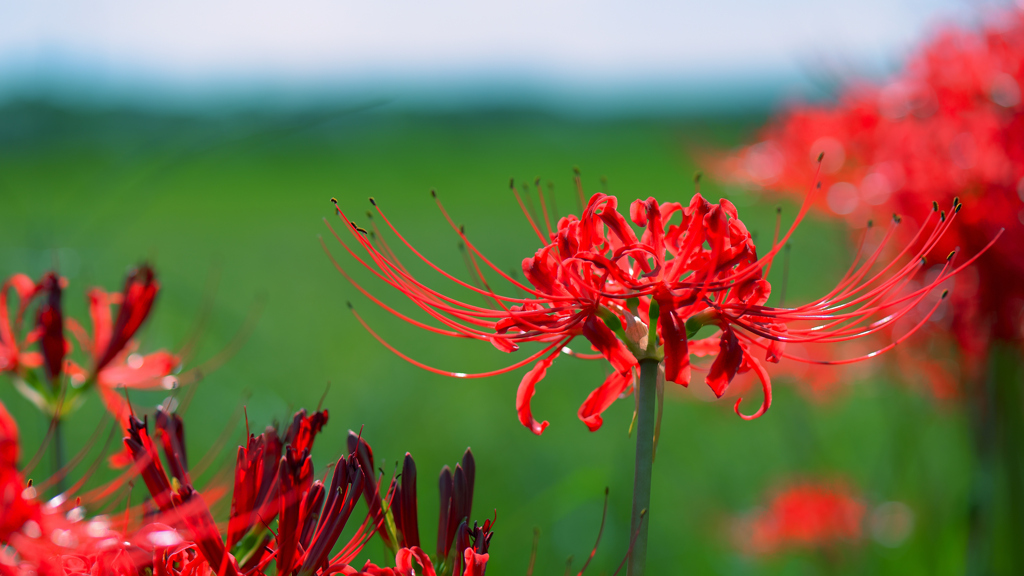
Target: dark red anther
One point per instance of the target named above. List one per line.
(407, 498)
(204, 530)
(50, 322)
(294, 473)
(461, 543)
(146, 458)
(458, 511)
(346, 487)
(364, 455)
(303, 429)
(444, 485)
(170, 432)
(310, 512)
(140, 289)
(248, 475)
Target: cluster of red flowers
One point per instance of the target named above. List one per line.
(949, 127)
(113, 361)
(174, 532)
(801, 517)
(643, 298)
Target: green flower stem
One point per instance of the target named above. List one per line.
(58, 452)
(646, 391)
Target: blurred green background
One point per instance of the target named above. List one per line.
(241, 197)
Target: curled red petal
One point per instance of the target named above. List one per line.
(726, 364)
(752, 363)
(601, 398)
(525, 394)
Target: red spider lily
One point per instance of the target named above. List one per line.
(114, 361)
(949, 125)
(177, 535)
(804, 516)
(644, 298)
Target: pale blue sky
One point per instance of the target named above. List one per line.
(202, 48)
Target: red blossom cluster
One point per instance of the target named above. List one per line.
(113, 361)
(803, 516)
(948, 127)
(643, 297)
(280, 514)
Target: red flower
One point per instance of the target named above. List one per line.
(115, 363)
(644, 298)
(13, 356)
(950, 125)
(804, 516)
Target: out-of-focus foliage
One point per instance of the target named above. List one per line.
(241, 198)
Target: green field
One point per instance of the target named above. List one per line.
(241, 198)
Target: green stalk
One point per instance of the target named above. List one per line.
(58, 452)
(646, 391)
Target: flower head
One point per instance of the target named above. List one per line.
(113, 359)
(644, 297)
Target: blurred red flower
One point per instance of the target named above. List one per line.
(949, 126)
(803, 516)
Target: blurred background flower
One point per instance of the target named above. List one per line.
(211, 136)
